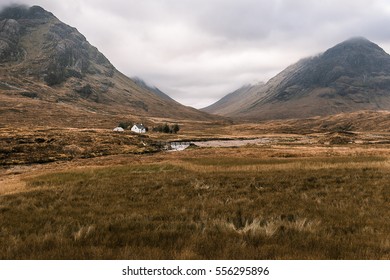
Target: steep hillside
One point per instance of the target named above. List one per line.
(49, 62)
(352, 76)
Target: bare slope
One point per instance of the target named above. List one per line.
(352, 76)
(43, 59)
(236, 101)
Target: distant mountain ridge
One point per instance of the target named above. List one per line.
(154, 89)
(43, 59)
(234, 101)
(352, 76)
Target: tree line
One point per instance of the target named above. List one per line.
(162, 128)
(165, 128)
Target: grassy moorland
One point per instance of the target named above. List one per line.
(214, 203)
(20, 146)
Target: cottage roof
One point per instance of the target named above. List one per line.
(139, 126)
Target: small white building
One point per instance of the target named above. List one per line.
(118, 129)
(138, 128)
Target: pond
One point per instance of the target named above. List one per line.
(181, 146)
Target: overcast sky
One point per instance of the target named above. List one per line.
(197, 51)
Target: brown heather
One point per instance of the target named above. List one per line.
(215, 203)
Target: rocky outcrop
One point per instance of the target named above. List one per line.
(72, 56)
(9, 40)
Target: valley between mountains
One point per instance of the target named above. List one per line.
(312, 184)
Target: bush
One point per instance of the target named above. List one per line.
(125, 124)
(166, 128)
(175, 128)
(85, 91)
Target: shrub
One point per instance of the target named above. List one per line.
(166, 128)
(125, 124)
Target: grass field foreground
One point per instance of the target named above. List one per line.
(208, 206)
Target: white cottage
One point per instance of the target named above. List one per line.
(118, 129)
(138, 128)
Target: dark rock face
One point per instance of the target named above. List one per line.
(71, 55)
(9, 39)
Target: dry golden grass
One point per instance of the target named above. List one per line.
(227, 203)
(11, 185)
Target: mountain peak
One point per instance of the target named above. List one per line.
(355, 45)
(357, 40)
(360, 42)
(351, 76)
(17, 12)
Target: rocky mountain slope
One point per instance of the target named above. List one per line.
(352, 76)
(44, 62)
